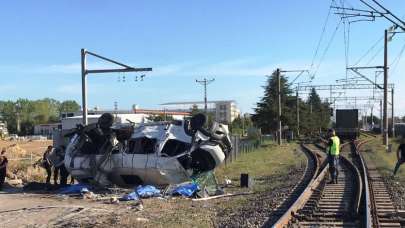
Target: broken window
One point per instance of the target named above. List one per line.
(174, 147)
(142, 145)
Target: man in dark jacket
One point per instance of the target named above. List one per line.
(46, 164)
(400, 155)
(61, 167)
(3, 167)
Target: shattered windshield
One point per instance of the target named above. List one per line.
(142, 145)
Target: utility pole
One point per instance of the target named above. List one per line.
(85, 72)
(381, 118)
(205, 82)
(392, 116)
(300, 72)
(372, 117)
(385, 119)
(279, 105)
(298, 114)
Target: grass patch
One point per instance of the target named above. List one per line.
(268, 160)
(384, 161)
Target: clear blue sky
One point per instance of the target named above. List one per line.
(237, 42)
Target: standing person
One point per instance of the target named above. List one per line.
(3, 167)
(46, 164)
(400, 155)
(61, 166)
(333, 151)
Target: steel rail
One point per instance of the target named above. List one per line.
(367, 196)
(303, 198)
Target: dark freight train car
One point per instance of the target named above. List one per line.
(347, 123)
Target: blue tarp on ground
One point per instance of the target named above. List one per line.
(130, 196)
(74, 189)
(187, 190)
(147, 191)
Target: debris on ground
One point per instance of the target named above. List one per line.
(128, 197)
(75, 189)
(185, 189)
(147, 191)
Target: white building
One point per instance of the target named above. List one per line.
(225, 111)
(46, 129)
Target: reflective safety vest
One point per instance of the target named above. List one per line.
(334, 149)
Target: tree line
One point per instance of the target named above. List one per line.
(314, 114)
(33, 112)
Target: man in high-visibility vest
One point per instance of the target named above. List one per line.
(333, 150)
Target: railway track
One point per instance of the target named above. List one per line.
(381, 210)
(312, 168)
(327, 205)
(360, 199)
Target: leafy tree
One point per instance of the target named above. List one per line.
(33, 112)
(266, 112)
(240, 125)
(314, 114)
(69, 106)
(319, 113)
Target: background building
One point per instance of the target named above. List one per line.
(225, 111)
(46, 129)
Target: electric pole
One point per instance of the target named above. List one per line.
(279, 106)
(278, 72)
(381, 118)
(205, 82)
(298, 114)
(385, 119)
(393, 117)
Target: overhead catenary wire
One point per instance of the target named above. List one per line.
(321, 36)
(327, 47)
(375, 55)
(369, 50)
(345, 37)
(396, 61)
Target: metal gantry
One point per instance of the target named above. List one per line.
(85, 72)
(338, 88)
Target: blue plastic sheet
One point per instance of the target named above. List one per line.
(147, 191)
(74, 189)
(130, 196)
(187, 190)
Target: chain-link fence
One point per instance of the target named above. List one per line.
(241, 146)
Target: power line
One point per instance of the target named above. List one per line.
(397, 60)
(376, 54)
(369, 50)
(327, 47)
(322, 35)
